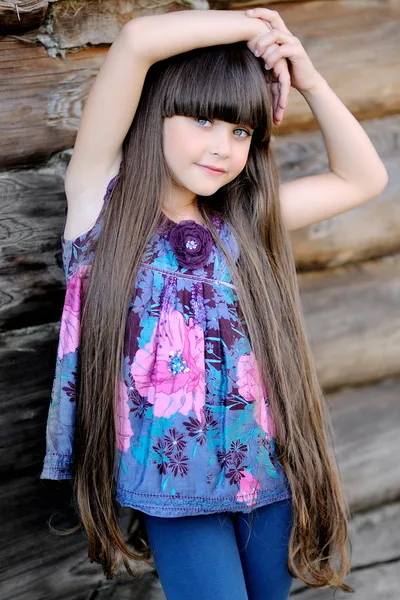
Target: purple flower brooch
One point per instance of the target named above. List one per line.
(192, 244)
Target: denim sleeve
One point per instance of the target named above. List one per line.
(60, 428)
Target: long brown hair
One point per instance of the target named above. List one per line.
(227, 83)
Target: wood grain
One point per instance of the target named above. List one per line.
(352, 44)
(368, 231)
(77, 24)
(352, 320)
(16, 21)
(42, 98)
(43, 566)
(349, 281)
(351, 312)
(369, 531)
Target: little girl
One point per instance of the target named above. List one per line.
(185, 386)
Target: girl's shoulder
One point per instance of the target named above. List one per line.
(79, 252)
(76, 251)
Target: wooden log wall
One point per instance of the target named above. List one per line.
(348, 268)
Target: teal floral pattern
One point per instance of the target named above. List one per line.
(195, 431)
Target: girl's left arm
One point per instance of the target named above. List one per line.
(357, 173)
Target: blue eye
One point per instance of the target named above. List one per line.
(238, 129)
(202, 119)
(245, 131)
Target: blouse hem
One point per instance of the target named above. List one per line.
(57, 466)
(193, 505)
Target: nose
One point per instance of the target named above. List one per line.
(221, 142)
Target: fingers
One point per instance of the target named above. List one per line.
(282, 95)
(290, 51)
(284, 87)
(263, 45)
(275, 57)
(275, 96)
(258, 48)
(271, 16)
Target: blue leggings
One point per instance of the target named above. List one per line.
(218, 557)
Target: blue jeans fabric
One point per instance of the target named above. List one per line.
(224, 556)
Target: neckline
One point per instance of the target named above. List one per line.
(178, 222)
(216, 217)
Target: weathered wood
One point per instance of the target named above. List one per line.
(376, 529)
(353, 321)
(78, 23)
(245, 4)
(28, 358)
(343, 308)
(366, 423)
(366, 420)
(368, 231)
(39, 565)
(351, 313)
(346, 42)
(19, 17)
(42, 100)
(375, 540)
(48, 104)
(381, 581)
(32, 217)
(58, 567)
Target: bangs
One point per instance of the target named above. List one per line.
(219, 82)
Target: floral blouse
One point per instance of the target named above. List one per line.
(195, 433)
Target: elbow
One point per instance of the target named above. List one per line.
(132, 32)
(382, 178)
(378, 183)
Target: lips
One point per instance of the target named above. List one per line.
(216, 169)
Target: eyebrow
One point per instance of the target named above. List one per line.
(243, 125)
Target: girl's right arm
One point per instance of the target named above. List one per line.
(115, 93)
(172, 33)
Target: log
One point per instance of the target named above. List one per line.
(375, 541)
(48, 104)
(352, 320)
(346, 42)
(366, 423)
(28, 358)
(42, 100)
(32, 215)
(366, 429)
(368, 231)
(380, 581)
(16, 18)
(79, 23)
(38, 564)
(366, 420)
(343, 308)
(58, 567)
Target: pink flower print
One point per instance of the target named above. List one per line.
(170, 369)
(252, 388)
(124, 428)
(249, 486)
(70, 318)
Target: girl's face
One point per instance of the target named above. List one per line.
(189, 142)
